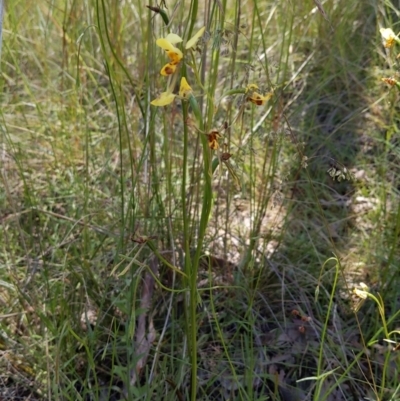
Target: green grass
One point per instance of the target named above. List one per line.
(138, 263)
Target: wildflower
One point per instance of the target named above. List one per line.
(388, 37)
(391, 81)
(255, 97)
(174, 54)
(213, 137)
(168, 97)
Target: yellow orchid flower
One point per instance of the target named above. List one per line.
(255, 97)
(167, 43)
(258, 99)
(168, 97)
(389, 37)
(174, 54)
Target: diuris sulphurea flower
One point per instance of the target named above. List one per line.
(254, 97)
(168, 97)
(174, 54)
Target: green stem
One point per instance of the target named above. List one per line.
(186, 216)
(1, 23)
(325, 327)
(205, 214)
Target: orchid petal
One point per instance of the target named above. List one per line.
(164, 99)
(185, 89)
(173, 38)
(165, 44)
(258, 99)
(192, 42)
(251, 87)
(168, 69)
(175, 56)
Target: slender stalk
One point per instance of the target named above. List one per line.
(205, 214)
(186, 225)
(325, 327)
(1, 23)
